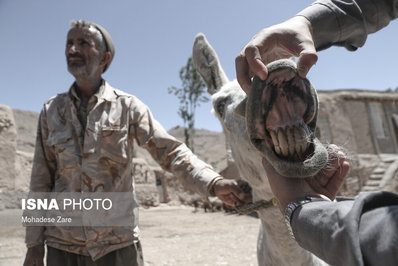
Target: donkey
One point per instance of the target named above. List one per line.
(255, 130)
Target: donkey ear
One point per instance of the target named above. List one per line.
(241, 108)
(206, 62)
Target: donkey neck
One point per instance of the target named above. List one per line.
(277, 246)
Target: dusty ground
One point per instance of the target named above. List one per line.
(170, 236)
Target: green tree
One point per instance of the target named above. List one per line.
(190, 94)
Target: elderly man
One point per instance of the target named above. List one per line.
(85, 144)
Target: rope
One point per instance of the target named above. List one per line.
(255, 206)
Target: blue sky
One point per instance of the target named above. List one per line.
(153, 40)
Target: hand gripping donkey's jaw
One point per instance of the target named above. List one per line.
(281, 114)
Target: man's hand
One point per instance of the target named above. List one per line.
(290, 38)
(34, 256)
(327, 182)
(232, 192)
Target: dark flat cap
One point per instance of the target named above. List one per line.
(110, 47)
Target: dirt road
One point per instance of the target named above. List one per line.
(172, 236)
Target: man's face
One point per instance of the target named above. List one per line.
(82, 54)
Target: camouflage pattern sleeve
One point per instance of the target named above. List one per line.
(172, 155)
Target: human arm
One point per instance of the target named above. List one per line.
(319, 26)
(290, 38)
(233, 193)
(361, 232)
(348, 23)
(175, 157)
(325, 184)
(41, 181)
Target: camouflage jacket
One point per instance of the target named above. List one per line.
(99, 159)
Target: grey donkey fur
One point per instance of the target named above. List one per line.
(275, 245)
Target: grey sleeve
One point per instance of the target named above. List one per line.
(363, 231)
(348, 22)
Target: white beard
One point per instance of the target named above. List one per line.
(78, 71)
(84, 70)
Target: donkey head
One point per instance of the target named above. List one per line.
(278, 118)
(281, 114)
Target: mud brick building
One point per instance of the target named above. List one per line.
(365, 123)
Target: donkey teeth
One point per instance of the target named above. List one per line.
(301, 140)
(298, 139)
(304, 143)
(291, 141)
(283, 143)
(275, 141)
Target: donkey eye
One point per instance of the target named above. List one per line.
(220, 108)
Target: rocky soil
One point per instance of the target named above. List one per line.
(171, 236)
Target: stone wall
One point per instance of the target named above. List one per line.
(349, 120)
(333, 110)
(8, 149)
(345, 120)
